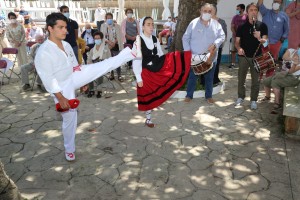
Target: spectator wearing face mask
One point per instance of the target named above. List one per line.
(19, 18)
(239, 18)
(26, 16)
(97, 54)
(72, 27)
(113, 39)
(278, 27)
(129, 28)
(87, 35)
(99, 16)
(166, 31)
(15, 34)
(34, 31)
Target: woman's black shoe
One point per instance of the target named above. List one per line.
(99, 94)
(90, 94)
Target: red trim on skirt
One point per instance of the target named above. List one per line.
(159, 86)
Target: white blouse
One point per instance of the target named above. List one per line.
(137, 64)
(54, 65)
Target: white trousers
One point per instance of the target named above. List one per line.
(80, 78)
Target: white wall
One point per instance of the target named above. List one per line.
(226, 10)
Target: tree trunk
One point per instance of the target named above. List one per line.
(187, 11)
(8, 189)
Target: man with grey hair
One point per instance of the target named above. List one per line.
(25, 69)
(203, 35)
(87, 35)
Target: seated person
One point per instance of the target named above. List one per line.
(288, 77)
(166, 31)
(34, 31)
(25, 69)
(98, 53)
(172, 33)
(87, 35)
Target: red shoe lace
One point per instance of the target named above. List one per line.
(71, 155)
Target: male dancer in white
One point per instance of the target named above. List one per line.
(58, 68)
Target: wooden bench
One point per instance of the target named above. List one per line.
(291, 109)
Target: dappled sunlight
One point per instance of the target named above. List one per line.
(52, 133)
(170, 190)
(194, 148)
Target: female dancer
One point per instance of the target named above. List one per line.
(158, 76)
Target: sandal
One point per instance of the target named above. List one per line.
(276, 108)
(265, 99)
(149, 123)
(90, 94)
(99, 94)
(120, 79)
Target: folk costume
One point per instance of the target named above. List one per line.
(161, 74)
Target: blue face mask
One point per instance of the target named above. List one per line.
(298, 52)
(67, 15)
(265, 44)
(109, 21)
(88, 30)
(98, 41)
(237, 12)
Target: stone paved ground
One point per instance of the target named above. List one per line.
(196, 151)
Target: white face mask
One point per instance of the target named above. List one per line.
(169, 19)
(275, 6)
(129, 15)
(13, 21)
(206, 16)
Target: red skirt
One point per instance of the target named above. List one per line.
(159, 86)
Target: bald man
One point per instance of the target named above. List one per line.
(87, 35)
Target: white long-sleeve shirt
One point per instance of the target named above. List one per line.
(198, 37)
(99, 14)
(137, 64)
(54, 65)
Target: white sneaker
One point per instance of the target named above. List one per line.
(239, 102)
(253, 105)
(70, 156)
(136, 52)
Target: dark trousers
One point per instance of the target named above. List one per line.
(216, 75)
(86, 51)
(99, 23)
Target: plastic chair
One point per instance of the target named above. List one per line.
(4, 67)
(14, 52)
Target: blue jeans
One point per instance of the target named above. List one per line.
(208, 77)
(169, 42)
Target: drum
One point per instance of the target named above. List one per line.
(264, 62)
(199, 64)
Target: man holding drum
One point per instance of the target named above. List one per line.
(249, 37)
(203, 35)
(278, 27)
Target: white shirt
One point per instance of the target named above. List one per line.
(35, 32)
(88, 38)
(99, 14)
(137, 64)
(169, 24)
(53, 65)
